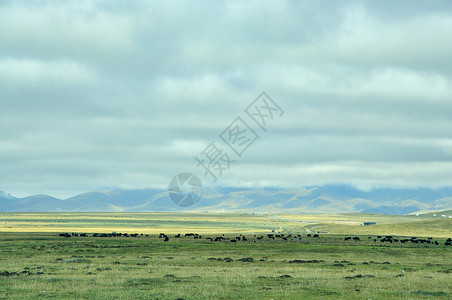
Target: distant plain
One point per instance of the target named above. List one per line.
(352, 223)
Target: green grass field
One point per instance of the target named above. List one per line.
(37, 263)
(152, 223)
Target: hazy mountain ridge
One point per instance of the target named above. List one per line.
(324, 199)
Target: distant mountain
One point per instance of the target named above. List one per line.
(322, 199)
(4, 195)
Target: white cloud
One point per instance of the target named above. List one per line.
(413, 41)
(73, 28)
(36, 72)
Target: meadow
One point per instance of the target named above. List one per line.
(35, 261)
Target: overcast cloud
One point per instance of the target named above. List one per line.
(98, 95)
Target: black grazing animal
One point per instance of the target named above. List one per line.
(166, 239)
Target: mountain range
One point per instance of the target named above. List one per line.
(318, 199)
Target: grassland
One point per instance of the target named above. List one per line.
(37, 263)
(152, 223)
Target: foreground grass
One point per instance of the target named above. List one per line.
(47, 266)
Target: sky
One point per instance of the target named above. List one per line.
(101, 95)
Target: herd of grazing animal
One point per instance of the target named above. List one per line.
(196, 236)
(414, 240)
(242, 238)
(67, 235)
(255, 238)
